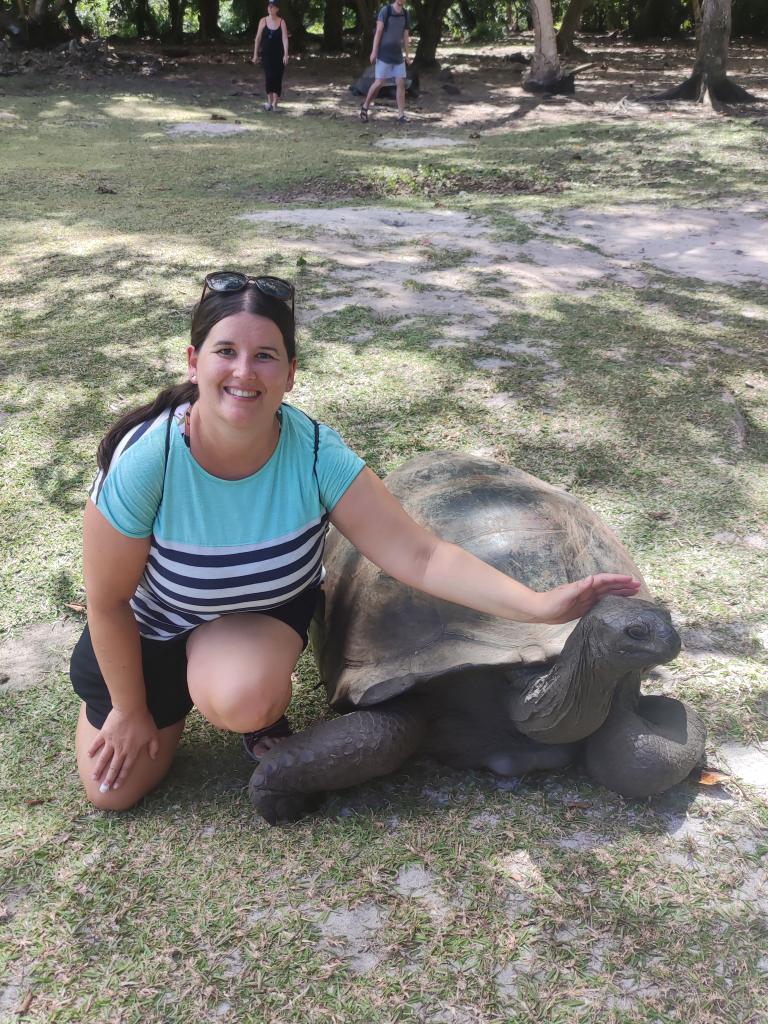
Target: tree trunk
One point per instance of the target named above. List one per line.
(76, 27)
(545, 66)
(430, 15)
(570, 25)
(366, 16)
(209, 19)
(40, 25)
(145, 21)
(333, 26)
(294, 12)
(176, 20)
(709, 81)
(696, 4)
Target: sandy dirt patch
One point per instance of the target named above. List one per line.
(207, 128)
(419, 142)
(386, 260)
(748, 763)
(354, 935)
(718, 246)
(414, 264)
(392, 262)
(510, 976)
(38, 653)
(416, 882)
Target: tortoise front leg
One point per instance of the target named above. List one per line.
(293, 777)
(645, 745)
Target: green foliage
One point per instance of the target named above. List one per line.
(654, 18)
(99, 17)
(478, 20)
(487, 32)
(486, 20)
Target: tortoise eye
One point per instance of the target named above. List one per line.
(638, 632)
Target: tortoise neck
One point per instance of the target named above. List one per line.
(572, 699)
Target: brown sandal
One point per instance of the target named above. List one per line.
(278, 730)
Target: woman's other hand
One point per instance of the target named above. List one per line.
(120, 741)
(572, 600)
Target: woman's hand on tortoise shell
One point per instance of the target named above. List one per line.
(572, 600)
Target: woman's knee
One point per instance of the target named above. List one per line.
(113, 799)
(242, 705)
(145, 774)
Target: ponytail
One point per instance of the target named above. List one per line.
(167, 399)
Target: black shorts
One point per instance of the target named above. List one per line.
(164, 663)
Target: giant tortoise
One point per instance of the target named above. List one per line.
(417, 674)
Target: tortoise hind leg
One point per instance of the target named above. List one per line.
(644, 748)
(292, 778)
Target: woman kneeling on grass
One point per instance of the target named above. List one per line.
(203, 546)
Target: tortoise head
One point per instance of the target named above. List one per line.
(630, 633)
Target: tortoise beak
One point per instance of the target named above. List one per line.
(669, 639)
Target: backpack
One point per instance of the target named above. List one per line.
(388, 12)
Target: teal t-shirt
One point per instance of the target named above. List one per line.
(218, 545)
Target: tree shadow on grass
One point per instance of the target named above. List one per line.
(654, 411)
(639, 153)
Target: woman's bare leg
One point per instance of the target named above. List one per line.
(239, 671)
(400, 94)
(145, 775)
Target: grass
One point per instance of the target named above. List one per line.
(544, 900)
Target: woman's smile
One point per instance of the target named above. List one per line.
(241, 394)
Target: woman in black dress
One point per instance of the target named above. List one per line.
(271, 48)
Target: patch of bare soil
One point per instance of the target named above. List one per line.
(354, 936)
(481, 88)
(35, 655)
(207, 128)
(713, 245)
(424, 251)
(748, 763)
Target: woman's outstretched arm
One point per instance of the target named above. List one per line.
(380, 528)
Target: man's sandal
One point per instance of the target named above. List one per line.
(278, 730)
(364, 114)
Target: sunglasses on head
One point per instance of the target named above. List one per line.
(231, 281)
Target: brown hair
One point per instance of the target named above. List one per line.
(215, 307)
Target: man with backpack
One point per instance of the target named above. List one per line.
(393, 26)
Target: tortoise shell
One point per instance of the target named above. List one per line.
(375, 638)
